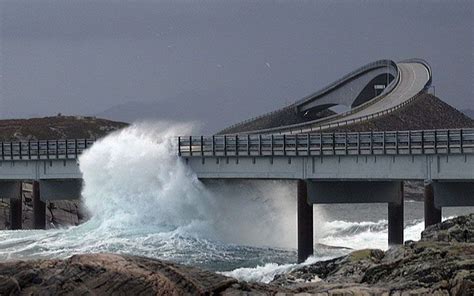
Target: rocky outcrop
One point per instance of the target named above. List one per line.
(442, 263)
(458, 230)
(110, 274)
(59, 213)
(426, 112)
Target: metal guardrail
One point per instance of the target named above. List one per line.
(330, 87)
(364, 143)
(44, 149)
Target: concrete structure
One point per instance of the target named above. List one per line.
(410, 77)
(367, 167)
(51, 166)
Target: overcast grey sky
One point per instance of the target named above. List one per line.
(216, 61)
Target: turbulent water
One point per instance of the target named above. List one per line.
(144, 201)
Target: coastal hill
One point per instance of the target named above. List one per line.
(426, 112)
(57, 127)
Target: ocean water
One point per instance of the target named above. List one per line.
(144, 201)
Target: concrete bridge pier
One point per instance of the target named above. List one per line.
(432, 213)
(16, 210)
(305, 222)
(395, 219)
(39, 208)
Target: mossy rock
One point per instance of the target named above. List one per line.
(366, 254)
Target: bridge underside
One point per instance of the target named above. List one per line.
(354, 179)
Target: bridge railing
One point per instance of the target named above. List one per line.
(43, 149)
(362, 143)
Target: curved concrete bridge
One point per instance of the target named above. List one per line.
(401, 83)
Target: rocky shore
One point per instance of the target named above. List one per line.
(441, 263)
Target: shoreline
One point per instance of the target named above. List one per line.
(441, 262)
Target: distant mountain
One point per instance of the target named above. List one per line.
(57, 127)
(469, 112)
(214, 110)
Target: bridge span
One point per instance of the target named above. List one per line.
(367, 167)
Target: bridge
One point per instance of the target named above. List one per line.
(328, 167)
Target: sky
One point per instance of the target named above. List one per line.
(215, 62)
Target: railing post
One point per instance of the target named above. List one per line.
(422, 142)
(383, 143)
(320, 144)
(333, 144)
(29, 149)
(358, 143)
(190, 146)
(179, 146)
(284, 145)
(435, 142)
(271, 145)
(345, 143)
(213, 146)
(248, 145)
(409, 142)
(396, 143)
(461, 142)
(308, 143)
(3, 151)
(449, 143)
(371, 142)
(75, 148)
(259, 145)
(19, 149)
(202, 146)
(225, 145)
(236, 145)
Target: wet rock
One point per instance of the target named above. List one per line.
(108, 274)
(442, 263)
(459, 229)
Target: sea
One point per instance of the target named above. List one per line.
(143, 200)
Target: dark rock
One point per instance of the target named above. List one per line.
(459, 229)
(441, 263)
(108, 274)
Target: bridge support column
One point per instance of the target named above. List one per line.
(395, 219)
(305, 222)
(39, 208)
(16, 210)
(432, 213)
